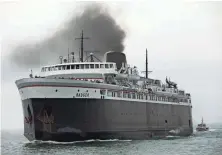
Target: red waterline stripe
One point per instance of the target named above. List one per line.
(55, 86)
(78, 78)
(75, 87)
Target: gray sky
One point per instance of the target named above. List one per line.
(183, 39)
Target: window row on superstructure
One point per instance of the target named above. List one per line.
(171, 90)
(79, 66)
(142, 96)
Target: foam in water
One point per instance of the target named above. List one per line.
(212, 130)
(74, 142)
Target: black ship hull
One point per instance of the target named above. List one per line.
(75, 119)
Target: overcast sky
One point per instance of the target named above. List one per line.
(184, 40)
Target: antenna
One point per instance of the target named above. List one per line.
(81, 51)
(146, 65)
(79, 54)
(68, 55)
(147, 71)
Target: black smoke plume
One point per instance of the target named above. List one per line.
(97, 24)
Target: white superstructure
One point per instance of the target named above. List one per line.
(103, 80)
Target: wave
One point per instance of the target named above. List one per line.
(75, 142)
(170, 137)
(212, 130)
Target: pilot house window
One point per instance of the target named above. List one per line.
(63, 67)
(101, 65)
(96, 65)
(82, 66)
(106, 66)
(87, 66)
(91, 65)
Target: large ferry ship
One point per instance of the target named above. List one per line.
(92, 99)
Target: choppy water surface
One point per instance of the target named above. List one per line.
(205, 143)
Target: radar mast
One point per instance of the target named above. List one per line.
(81, 50)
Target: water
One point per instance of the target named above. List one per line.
(207, 143)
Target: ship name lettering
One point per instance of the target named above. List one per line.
(82, 94)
